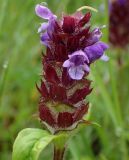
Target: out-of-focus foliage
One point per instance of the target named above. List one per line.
(20, 69)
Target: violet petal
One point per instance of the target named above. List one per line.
(95, 51)
(76, 72)
(95, 36)
(78, 55)
(86, 68)
(67, 63)
(45, 39)
(51, 27)
(43, 12)
(103, 45)
(43, 27)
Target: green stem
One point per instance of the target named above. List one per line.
(60, 146)
(58, 153)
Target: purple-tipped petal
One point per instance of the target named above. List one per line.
(76, 72)
(43, 27)
(43, 12)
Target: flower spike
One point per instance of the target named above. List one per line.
(71, 48)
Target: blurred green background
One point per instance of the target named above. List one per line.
(20, 68)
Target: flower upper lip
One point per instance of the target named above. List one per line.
(44, 12)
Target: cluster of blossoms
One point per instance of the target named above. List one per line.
(71, 47)
(119, 22)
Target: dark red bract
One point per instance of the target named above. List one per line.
(59, 91)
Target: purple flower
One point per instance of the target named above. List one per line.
(77, 64)
(96, 51)
(46, 14)
(79, 61)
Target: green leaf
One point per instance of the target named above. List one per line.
(29, 143)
